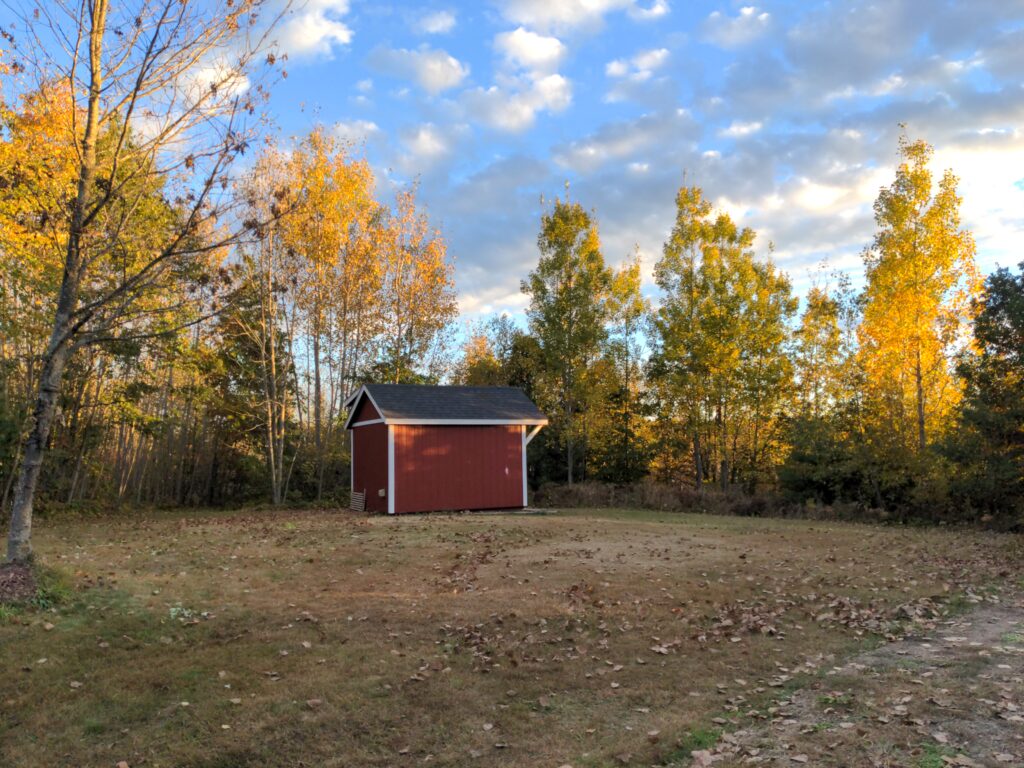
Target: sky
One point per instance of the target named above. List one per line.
(786, 113)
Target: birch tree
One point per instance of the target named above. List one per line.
(417, 302)
(338, 280)
(162, 96)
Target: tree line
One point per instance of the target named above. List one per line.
(185, 304)
(901, 397)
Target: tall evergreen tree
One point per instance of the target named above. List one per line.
(988, 447)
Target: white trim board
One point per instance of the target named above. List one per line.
(466, 422)
(523, 436)
(367, 423)
(533, 432)
(391, 470)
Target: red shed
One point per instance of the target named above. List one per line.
(422, 449)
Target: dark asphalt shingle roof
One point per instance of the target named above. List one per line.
(412, 401)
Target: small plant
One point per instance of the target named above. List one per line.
(1014, 638)
(181, 613)
(835, 700)
(698, 738)
(932, 756)
(52, 589)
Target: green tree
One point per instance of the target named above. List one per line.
(818, 347)
(621, 440)
(988, 447)
(719, 363)
(569, 292)
(115, 266)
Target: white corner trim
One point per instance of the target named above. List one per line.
(352, 462)
(533, 433)
(523, 436)
(366, 423)
(391, 470)
(353, 396)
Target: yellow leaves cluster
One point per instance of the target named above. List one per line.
(369, 282)
(38, 168)
(921, 279)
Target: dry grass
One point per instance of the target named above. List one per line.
(590, 638)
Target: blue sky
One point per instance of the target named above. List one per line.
(786, 113)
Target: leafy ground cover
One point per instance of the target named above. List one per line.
(590, 638)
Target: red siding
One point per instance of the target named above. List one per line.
(365, 411)
(458, 467)
(370, 464)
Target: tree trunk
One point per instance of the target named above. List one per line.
(570, 445)
(698, 463)
(318, 436)
(19, 543)
(919, 382)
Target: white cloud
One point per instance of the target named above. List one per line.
(426, 142)
(655, 10)
(314, 28)
(436, 23)
(529, 50)
(992, 188)
(634, 140)
(647, 61)
(735, 31)
(433, 69)
(617, 68)
(356, 130)
(634, 72)
(570, 14)
(515, 110)
(640, 67)
(738, 129)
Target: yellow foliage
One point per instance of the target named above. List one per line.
(921, 278)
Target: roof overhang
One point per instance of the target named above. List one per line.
(353, 401)
(466, 422)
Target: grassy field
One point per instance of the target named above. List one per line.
(590, 638)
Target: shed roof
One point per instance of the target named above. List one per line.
(418, 404)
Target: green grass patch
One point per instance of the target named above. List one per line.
(931, 756)
(698, 738)
(836, 700)
(53, 589)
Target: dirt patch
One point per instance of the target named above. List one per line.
(954, 697)
(17, 583)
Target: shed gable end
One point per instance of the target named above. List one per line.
(365, 411)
